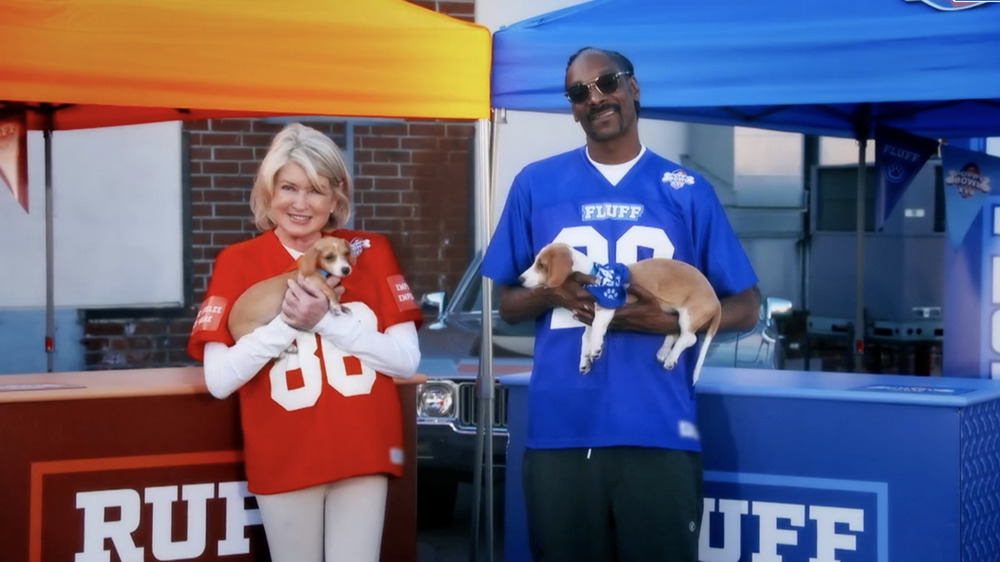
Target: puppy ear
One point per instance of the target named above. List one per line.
(352, 258)
(560, 266)
(307, 262)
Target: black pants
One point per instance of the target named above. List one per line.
(613, 504)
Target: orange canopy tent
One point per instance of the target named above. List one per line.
(93, 63)
(116, 62)
(73, 64)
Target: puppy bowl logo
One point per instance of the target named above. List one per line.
(968, 180)
(953, 5)
(677, 179)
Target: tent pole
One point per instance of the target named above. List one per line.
(486, 147)
(858, 333)
(50, 321)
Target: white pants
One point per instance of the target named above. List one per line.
(343, 519)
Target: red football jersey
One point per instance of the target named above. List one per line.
(318, 415)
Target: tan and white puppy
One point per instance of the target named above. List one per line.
(678, 286)
(259, 304)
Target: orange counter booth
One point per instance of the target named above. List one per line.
(144, 465)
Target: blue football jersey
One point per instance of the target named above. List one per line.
(658, 209)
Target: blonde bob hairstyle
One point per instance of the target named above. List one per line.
(319, 157)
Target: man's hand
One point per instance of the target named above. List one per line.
(739, 312)
(572, 296)
(518, 304)
(644, 314)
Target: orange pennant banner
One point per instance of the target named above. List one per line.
(14, 153)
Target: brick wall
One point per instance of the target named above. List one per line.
(413, 181)
(461, 9)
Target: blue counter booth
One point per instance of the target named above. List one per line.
(822, 467)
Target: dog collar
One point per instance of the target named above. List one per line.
(319, 270)
(609, 290)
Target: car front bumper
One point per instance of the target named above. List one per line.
(442, 446)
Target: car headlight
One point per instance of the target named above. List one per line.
(436, 400)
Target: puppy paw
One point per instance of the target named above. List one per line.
(663, 358)
(584, 365)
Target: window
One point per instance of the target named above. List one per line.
(836, 195)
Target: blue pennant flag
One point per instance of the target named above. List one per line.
(899, 156)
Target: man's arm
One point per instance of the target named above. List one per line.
(518, 304)
(739, 312)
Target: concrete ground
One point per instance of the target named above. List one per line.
(453, 542)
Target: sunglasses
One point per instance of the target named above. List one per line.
(606, 84)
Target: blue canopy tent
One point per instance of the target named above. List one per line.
(823, 67)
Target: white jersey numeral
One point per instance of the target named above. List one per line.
(591, 242)
(345, 373)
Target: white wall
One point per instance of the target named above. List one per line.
(835, 150)
(711, 153)
(768, 168)
(495, 14)
(116, 220)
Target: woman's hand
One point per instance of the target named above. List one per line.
(304, 305)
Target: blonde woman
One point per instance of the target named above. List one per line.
(321, 418)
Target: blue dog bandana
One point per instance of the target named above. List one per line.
(609, 290)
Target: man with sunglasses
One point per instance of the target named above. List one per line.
(612, 467)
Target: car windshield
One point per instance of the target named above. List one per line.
(466, 305)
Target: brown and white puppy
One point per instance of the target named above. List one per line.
(677, 285)
(259, 304)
